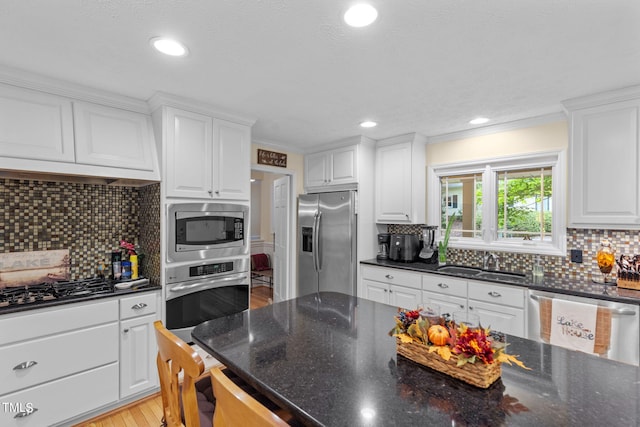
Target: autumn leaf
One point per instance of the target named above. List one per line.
(414, 331)
(404, 338)
(508, 358)
(444, 352)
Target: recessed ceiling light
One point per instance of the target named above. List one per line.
(478, 121)
(368, 124)
(360, 15)
(169, 46)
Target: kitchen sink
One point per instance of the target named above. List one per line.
(460, 270)
(501, 276)
(477, 273)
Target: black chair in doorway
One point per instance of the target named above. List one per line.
(261, 270)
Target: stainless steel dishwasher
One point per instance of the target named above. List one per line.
(625, 324)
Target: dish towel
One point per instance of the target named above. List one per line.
(573, 325)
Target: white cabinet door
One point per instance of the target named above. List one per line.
(138, 351)
(189, 140)
(35, 125)
(446, 303)
(231, 160)
(393, 183)
(107, 136)
(403, 297)
(343, 166)
(499, 318)
(376, 291)
(605, 157)
(315, 170)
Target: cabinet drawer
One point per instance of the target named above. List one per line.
(498, 317)
(63, 399)
(37, 323)
(138, 305)
(392, 276)
(496, 294)
(445, 285)
(57, 356)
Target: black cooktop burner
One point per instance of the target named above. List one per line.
(22, 295)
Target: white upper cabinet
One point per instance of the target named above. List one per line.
(206, 157)
(45, 132)
(107, 136)
(188, 154)
(400, 180)
(604, 160)
(330, 168)
(35, 125)
(231, 152)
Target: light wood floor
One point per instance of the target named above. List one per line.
(147, 412)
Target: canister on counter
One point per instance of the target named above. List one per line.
(116, 266)
(134, 266)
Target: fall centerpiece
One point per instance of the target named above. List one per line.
(470, 354)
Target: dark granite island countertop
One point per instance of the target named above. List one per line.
(328, 359)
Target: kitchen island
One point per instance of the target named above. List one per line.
(329, 360)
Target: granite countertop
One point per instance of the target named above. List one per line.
(549, 284)
(328, 359)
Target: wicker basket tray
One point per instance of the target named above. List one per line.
(477, 374)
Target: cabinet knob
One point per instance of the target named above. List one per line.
(443, 285)
(25, 365)
(461, 306)
(470, 308)
(388, 276)
(126, 330)
(210, 192)
(407, 215)
(138, 306)
(218, 192)
(494, 294)
(386, 290)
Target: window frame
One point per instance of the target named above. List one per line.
(489, 169)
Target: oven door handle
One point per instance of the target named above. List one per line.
(207, 283)
(616, 311)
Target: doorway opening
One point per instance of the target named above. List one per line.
(272, 230)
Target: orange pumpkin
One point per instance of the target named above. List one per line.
(438, 334)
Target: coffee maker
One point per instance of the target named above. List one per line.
(429, 252)
(383, 246)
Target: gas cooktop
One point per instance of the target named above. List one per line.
(34, 294)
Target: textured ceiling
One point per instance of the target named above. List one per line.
(425, 66)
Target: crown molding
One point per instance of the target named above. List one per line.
(276, 145)
(163, 99)
(608, 97)
(29, 80)
(500, 127)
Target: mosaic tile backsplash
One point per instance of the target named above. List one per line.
(88, 219)
(586, 240)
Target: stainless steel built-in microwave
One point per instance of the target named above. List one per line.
(199, 231)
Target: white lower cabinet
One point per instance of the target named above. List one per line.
(392, 286)
(138, 349)
(499, 307)
(59, 363)
(55, 401)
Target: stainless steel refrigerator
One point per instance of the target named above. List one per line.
(327, 242)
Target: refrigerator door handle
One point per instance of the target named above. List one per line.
(316, 238)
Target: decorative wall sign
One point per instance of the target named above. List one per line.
(272, 158)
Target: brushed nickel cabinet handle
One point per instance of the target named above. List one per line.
(494, 294)
(138, 306)
(388, 276)
(443, 285)
(26, 413)
(25, 365)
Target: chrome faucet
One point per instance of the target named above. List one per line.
(490, 261)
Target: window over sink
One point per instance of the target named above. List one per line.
(512, 204)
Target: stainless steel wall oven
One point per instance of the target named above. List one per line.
(198, 292)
